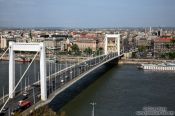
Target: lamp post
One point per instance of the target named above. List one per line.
(3, 93)
(33, 95)
(93, 108)
(71, 74)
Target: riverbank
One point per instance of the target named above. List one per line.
(51, 59)
(142, 61)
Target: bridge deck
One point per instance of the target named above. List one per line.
(61, 80)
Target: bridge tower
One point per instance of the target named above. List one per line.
(115, 44)
(36, 47)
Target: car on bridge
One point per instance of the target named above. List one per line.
(22, 105)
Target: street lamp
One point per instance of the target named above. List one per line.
(93, 108)
(33, 95)
(3, 93)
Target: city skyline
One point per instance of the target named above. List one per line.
(87, 14)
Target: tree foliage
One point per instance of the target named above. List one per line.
(173, 40)
(88, 51)
(168, 55)
(167, 46)
(99, 51)
(43, 111)
(75, 49)
(141, 48)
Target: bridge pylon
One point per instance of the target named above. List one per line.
(36, 47)
(112, 47)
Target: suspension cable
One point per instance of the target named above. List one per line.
(19, 81)
(4, 53)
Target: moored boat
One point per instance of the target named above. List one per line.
(162, 66)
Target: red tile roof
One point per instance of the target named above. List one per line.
(88, 36)
(163, 40)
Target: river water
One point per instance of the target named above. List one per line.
(30, 77)
(121, 91)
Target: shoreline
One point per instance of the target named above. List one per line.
(142, 61)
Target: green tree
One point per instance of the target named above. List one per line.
(99, 51)
(141, 48)
(162, 56)
(171, 55)
(167, 46)
(42, 111)
(75, 49)
(88, 51)
(173, 40)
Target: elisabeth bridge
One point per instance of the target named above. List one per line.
(51, 84)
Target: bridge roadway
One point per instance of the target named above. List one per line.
(58, 82)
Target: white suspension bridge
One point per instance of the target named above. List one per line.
(48, 86)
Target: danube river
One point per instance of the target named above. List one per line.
(121, 91)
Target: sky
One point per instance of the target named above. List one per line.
(87, 13)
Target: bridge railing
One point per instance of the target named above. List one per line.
(105, 57)
(70, 73)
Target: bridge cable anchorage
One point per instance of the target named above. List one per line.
(4, 53)
(19, 81)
